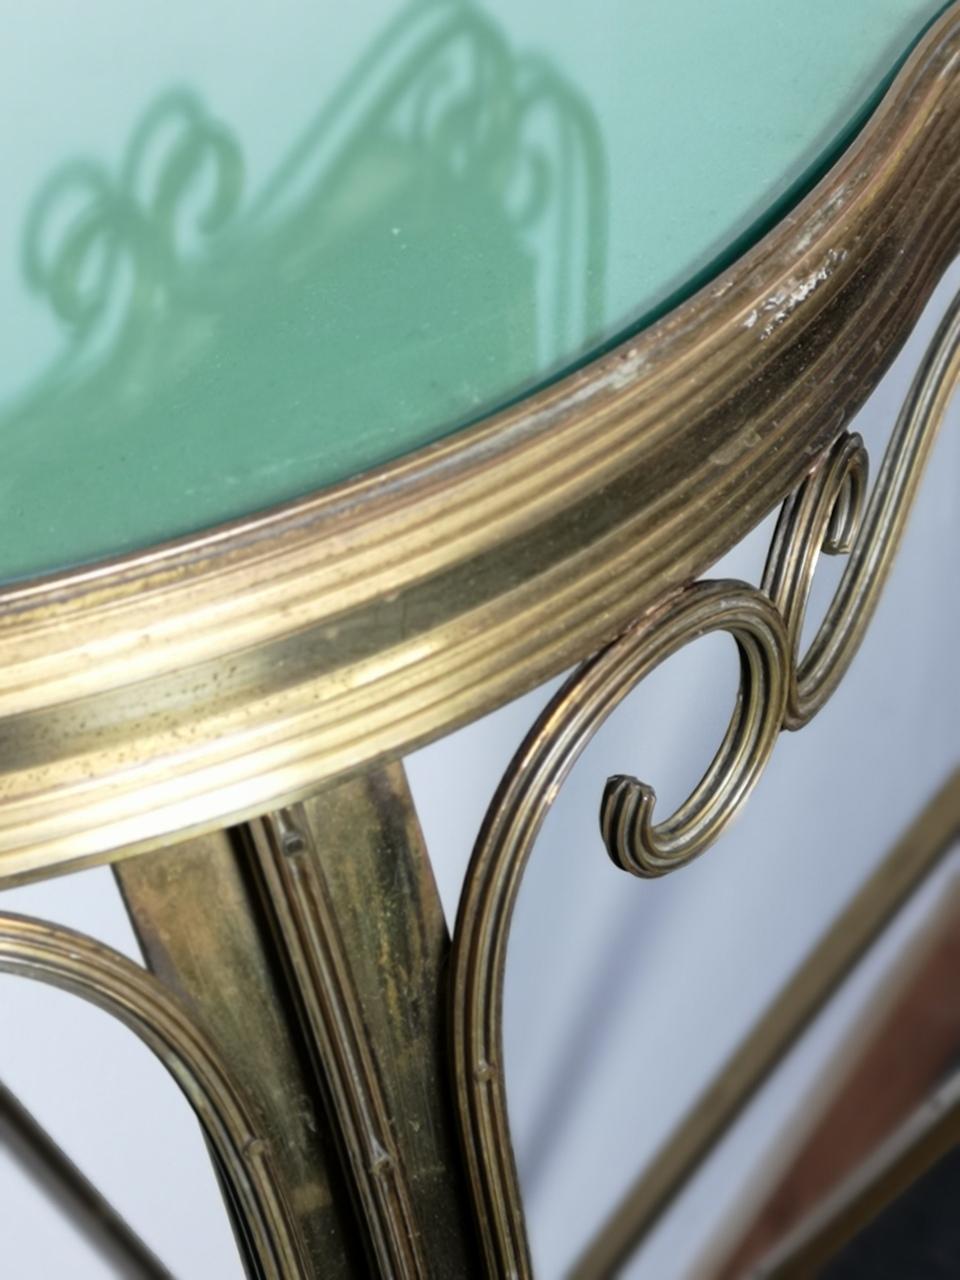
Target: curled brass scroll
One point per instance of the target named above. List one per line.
(873, 539)
(87, 968)
(779, 688)
(633, 840)
(513, 823)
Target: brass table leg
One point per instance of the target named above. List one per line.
(311, 944)
(197, 914)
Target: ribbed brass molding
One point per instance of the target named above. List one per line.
(779, 689)
(233, 671)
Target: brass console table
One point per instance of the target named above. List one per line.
(222, 714)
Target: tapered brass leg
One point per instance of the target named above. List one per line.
(313, 945)
(197, 913)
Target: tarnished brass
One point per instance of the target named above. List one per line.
(360, 925)
(320, 976)
(513, 822)
(197, 912)
(300, 960)
(329, 1005)
(777, 689)
(633, 841)
(246, 1163)
(823, 515)
(225, 674)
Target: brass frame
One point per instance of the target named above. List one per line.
(910, 1152)
(228, 676)
(172, 689)
(321, 980)
(86, 968)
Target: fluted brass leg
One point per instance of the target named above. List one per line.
(197, 911)
(359, 921)
(312, 942)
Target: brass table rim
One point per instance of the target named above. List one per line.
(212, 677)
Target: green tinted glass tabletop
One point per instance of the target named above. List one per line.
(247, 251)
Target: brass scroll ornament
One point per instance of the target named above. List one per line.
(779, 688)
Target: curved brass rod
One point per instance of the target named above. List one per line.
(778, 689)
(633, 841)
(529, 787)
(823, 515)
(826, 514)
(84, 967)
(883, 523)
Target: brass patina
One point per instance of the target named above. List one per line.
(222, 718)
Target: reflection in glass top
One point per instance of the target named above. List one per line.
(249, 252)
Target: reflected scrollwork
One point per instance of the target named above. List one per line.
(85, 224)
(168, 258)
(780, 688)
(84, 967)
(233, 329)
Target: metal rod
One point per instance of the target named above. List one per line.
(358, 919)
(911, 1151)
(79, 1200)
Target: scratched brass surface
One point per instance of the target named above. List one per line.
(235, 671)
(319, 971)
